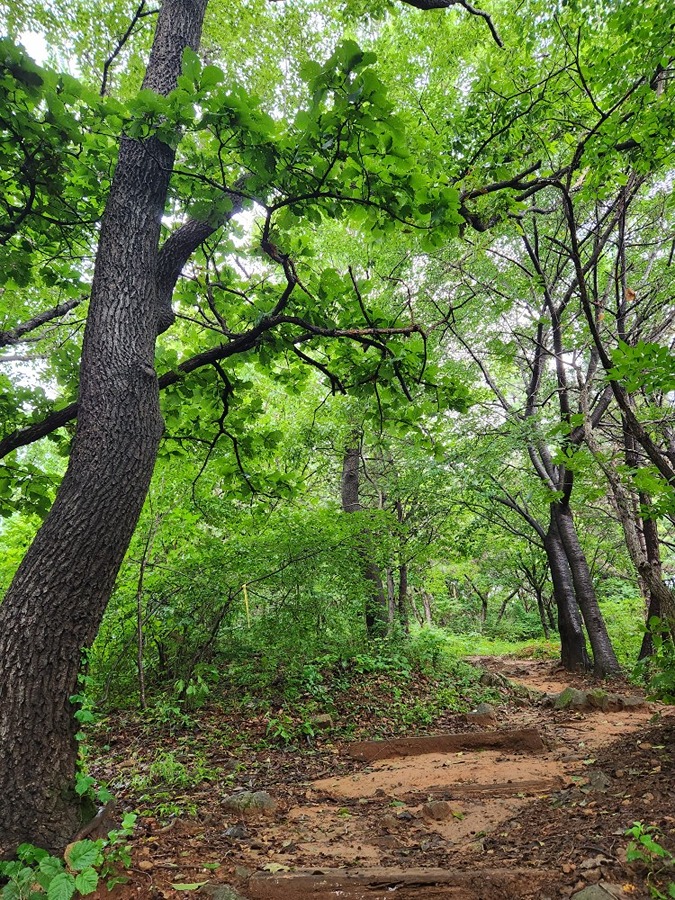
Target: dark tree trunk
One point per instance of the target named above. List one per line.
(54, 606)
(403, 597)
(605, 663)
(376, 600)
(653, 552)
(573, 654)
(542, 613)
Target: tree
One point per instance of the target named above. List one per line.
(54, 606)
(55, 603)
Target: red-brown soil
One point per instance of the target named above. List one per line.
(481, 824)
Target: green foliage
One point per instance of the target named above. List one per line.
(35, 874)
(659, 669)
(645, 848)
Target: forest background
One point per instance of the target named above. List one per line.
(410, 272)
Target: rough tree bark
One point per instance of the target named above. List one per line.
(54, 606)
(605, 663)
(573, 653)
(376, 599)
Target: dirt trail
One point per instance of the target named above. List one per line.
(420, 825)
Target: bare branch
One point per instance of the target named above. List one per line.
(15, 335)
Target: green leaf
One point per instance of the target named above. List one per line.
(189, 887)
(86, 881)
(82, 854)
(62, 887)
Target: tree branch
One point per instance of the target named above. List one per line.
(14, 335)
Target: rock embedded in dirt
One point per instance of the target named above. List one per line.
(600, 891)
(484, 714)
(220, 892)
(596, 698)
(437, 810)
(322, 722)
(250, 803)
(633, 701)
(571, 698)
(598, 780)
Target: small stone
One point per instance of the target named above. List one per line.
(248, 803)
(238, 832)
(437, 810)
(321, 722)
(593, 892)
(220, 892)
(484, 714)
(145, 865)
(598, 780)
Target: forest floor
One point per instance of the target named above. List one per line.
(543, 815)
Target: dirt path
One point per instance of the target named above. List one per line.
(420, 819)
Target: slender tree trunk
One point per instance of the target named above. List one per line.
(573, 654)
(653, 552)
(391, 601)
(605, 663)
(376, 599)
(426, 600)
(403, 597)
(54, 606)
(542, 613)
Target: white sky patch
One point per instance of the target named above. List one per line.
(35, 45)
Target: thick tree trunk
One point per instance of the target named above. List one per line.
(376, 600)
(54, 606)
(573, 654)
(605, 663)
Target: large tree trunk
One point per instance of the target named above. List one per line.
(376, 599)
(605, 663)
(573, 654)
(54, 606)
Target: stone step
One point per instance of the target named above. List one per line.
(383, 883)
(524, 740)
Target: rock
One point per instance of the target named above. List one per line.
(597, 892)
(322, 722)
(220, 892)
(571, 698)
(238, 832)
(250, 803)
(484, 714)
(633, 701)
(598, 780)
(437, 810)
